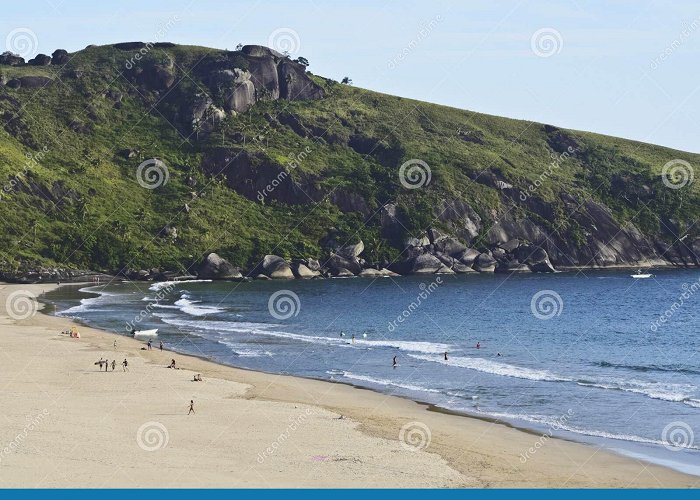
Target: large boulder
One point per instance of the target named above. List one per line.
(351, 251)
(294, 84)
(34, 82)
(10, 59)
(338, 263)
(485, 263)
(301, 271)
(59, 56)
(426, 264)
(40, 60)
(468, 256)
(450, 246)
(276, 267)
(214, 267)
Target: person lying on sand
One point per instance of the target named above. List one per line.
(197, 378)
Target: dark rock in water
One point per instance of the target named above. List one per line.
(462, 268)
(215, 268)
(275, 267)
(337, 263)
(468, 256)
(40, 60)
(425, 264)
(512, 267)
(485, 263)
(301, 271)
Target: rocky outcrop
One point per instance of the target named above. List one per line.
(10, 59)
(59, 56)
(40, 60)
(274, 267)
(302, 271)
(216, 268)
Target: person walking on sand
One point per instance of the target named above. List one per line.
(125, 365)
(149, 345)
(161, 345)
(191, 407)
(114, 364)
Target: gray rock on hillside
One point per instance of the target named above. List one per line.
(352, 251)
(216, 268)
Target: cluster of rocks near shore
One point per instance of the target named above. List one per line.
(433, 253)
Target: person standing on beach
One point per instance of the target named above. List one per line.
(161, 345)
(191, 407)
(149, 345)
(106, 365)
(115, 344)
(114, 364)
(125, 365)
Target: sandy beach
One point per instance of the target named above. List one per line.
(65, 423)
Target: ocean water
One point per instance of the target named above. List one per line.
(597, 357)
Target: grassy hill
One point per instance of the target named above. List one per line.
(73, 139)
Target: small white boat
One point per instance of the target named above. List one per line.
(146, 333)
(641, 275)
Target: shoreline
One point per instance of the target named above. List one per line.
(463, 450)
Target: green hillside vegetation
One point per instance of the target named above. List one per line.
(79, 205)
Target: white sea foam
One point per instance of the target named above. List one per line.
(384, 382)
(494, 367)
(192, 308)
(165, 284)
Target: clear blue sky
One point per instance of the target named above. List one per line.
(603, 72)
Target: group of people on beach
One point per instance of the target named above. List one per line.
(106, 364)
(149, 345)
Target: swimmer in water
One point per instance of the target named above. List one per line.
(353, 338)
(445, 355)
(478, 345)
(394, 363)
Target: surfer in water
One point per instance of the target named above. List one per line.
(478, 345)
(394, 363)
(353, 338)
(445, 355)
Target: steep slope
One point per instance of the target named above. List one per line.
(140, 156)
